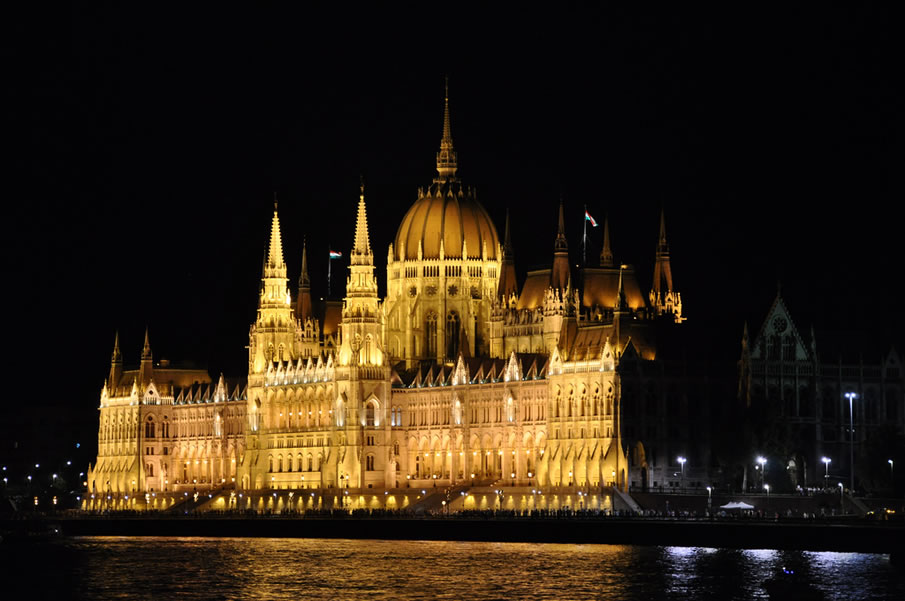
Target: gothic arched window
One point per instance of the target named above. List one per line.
(430, 335)
(452, 334)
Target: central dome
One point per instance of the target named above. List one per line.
(446, 211)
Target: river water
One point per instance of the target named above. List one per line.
(302, 569)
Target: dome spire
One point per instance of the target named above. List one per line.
(447, 162)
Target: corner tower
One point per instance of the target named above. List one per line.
(362, 339)
(273, 336)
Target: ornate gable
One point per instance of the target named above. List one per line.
(779, 338)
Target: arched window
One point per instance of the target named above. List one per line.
(369, 463)
(310, 463)
(430, 335)
(282, 349)
(270, 463)
(370, 413)
(280, 463)
(396, 448)
(452, 334)
(149, 428)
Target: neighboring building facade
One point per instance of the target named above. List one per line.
(797, 393)
(457, 377)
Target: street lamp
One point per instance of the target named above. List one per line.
(762, 461)
(709, 498)
(841, 495)
(826, 477)
(851, 433)
(682, 461)
(892, 474)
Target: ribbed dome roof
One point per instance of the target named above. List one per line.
(450, 212)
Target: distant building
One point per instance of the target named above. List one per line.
(793, 386)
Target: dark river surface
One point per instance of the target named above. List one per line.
(254, 568)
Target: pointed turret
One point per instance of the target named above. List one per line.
(146, 370)
(447, 162)
(662, 272)
(606, 254)
(361, 249)
(146, 349)
(664, 298)
(559, 278)
(116, 365)
(362, 339)
(275, 253)
(303, 301)
(507, 285)
(274, 289)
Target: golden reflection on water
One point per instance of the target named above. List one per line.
(249, 568)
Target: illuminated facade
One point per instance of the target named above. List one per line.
(457, 378)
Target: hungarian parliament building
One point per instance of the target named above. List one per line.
(458, 381)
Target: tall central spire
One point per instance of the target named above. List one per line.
(447, 162)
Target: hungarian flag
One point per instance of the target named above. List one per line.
(335, 254)
(587, 217)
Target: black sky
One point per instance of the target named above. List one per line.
(145, 150)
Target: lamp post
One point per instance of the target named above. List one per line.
(851, 434)
(892, 474)
(826, 476)
(682, 461)
(841, 495)
(709, 500)
(762, 461)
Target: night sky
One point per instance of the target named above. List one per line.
(145, 150)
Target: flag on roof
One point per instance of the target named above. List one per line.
(588, 217)
(335, 254)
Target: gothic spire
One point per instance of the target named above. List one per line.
(362, 246)
(117, 354)
(662, 246)
(447, 161)
(146, 350)
(561, 273)
(303, 301)
(275, 254)
(561, 244)
(304, 280)
(662, 283)
(507, 239)
(606, 254)
(507, 285)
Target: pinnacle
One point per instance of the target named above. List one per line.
(561, 244)
(606, 254)
(146, 350)
(275, 254)
(362, 246)
(304, 280)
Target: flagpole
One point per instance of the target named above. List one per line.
(329, 265)
(584, 241)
